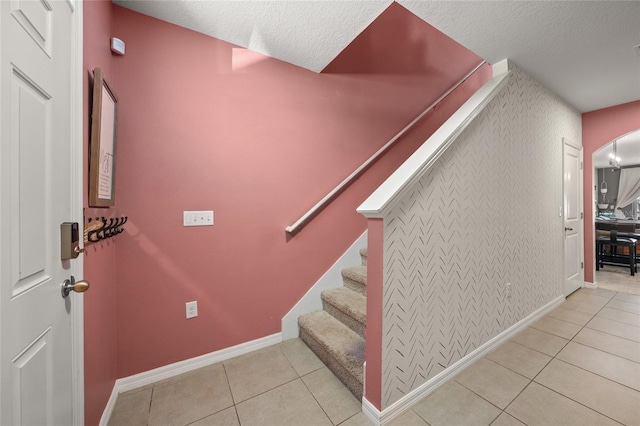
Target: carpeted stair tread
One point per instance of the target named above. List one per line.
(363, 256)
(355, 278)
(346, 306)
(339, 347)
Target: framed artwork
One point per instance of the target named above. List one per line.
(102, 160)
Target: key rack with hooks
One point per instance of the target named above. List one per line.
(99, 229)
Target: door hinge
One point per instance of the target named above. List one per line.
(581, 265)
(581, 215)
(581, 165)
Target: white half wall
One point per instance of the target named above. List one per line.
(476, 244)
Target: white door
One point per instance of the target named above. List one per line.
(573, 218)
(38, 191)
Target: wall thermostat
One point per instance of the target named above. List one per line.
(117, 46)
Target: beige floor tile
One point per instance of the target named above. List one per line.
(615, 328)
(190, 396)
(559, 328)
(258, 372)
(409, 418)
(620, 316)
(453, 404)
(140, 389)
(288, 405)
(493, 382)
(334, 398)
(634, 308)
(505, 419)
(226, 417)
(581, 306)
(301, 358)
(604, 396)
(623, 348)
(541, 341)
(132, 408)
(537, 405)
(519, 358)
(591, 299)
(625, 297)
(575, 317)
(602, 292)
(606, 365)
(358, 420)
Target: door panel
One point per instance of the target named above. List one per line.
(32, 376)
(29, 200)
(35, 19)
(35, 198)
(573, 221)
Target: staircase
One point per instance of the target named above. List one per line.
(336, 334)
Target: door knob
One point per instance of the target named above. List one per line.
(71, 284)
(566, 229)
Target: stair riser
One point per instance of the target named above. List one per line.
(351, 382)
(344, 318)
(356, 286)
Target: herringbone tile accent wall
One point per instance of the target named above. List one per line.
(486, 214)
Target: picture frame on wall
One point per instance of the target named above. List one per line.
(102, 160)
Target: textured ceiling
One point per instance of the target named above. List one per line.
(582, 50)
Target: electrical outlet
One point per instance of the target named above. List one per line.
(192, 309)
(509, 293)
(197, 218)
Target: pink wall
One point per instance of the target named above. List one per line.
(598, 129)
(400, 43)
(99, 259)
(375, 278)
(205, 125)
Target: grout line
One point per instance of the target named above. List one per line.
(545, 366)
(555, 358)
(226, 376)
(318, 402)
(534, 349)
(577, 402)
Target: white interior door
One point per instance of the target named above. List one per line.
(37, 190)
(573, 218)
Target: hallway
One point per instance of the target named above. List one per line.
(580, 364)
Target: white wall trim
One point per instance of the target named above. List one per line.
(408, 401)
(593, 285)
(77, 179)
(161, 373)
(312, 301)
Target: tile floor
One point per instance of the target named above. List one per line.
(579, 365)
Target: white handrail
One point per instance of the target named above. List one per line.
(320, 204)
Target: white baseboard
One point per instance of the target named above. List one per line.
(412, 398)
(152, 376)
(370, 411)
(312, 301)
(590, 285)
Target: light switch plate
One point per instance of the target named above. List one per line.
(197, 218)
(192, 309)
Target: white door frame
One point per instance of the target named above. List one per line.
(568, 142)
(77, 204)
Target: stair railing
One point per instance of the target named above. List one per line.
(305, 218)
